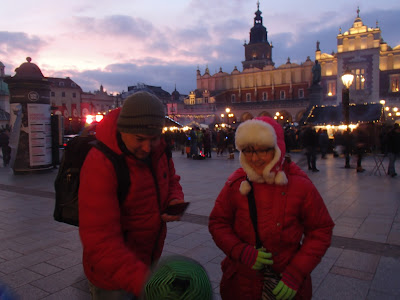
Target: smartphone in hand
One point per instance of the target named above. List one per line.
(177, 209)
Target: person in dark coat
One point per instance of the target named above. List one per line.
(361, 145)
(310, 143)
(323, 141)
(5, 147)
(393, 148)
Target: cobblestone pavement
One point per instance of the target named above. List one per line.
(41, 258)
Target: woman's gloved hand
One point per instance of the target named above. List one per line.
(283, 292)
(255, 258)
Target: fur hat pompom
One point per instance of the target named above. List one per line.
(245, 187)
(281, 178)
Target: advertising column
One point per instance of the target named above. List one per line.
(30, 120)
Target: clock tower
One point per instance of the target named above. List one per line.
(258, 52)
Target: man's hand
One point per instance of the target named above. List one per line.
(168, 218)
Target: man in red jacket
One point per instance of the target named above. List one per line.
(294, 228)
(121, 242)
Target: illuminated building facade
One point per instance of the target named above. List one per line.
(263, 89)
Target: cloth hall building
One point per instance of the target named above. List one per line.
(286, 91)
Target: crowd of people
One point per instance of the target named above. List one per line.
(366, 138)
(199, 142)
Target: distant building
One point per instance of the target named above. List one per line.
(284, 92)
(156, 90)
(374, 63)
(4, 99)
(98, 102)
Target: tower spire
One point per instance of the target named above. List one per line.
(358, 11)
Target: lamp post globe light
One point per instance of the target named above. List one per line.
(347, 80)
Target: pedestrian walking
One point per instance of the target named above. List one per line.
(269, 220)
(121, 241)
(5, 147)
(310, 143)
(323, 142)
(393, 148)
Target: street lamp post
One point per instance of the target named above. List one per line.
(227, 110)
(347, 79)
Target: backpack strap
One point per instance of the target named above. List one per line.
(121, 169)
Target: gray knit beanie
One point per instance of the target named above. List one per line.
(141, 113)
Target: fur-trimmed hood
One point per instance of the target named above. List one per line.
(262, 131)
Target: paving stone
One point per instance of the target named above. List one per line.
(61, 280)
(9, 254)
(66, 261)
(20, 278)
(352, 273)
(203, 254)
(321, 271)
(386, 279)
(394, 234)
(214, 271)
(333, 252)
(358, 261)
(69, 293)
(375, 295)
(344, 230)
(44, 269)
(185, 228)
(30, 292)
(25, 261)
(337, 287)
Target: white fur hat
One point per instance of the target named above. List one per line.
(262, 131)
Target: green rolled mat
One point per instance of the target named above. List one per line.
(178, 278)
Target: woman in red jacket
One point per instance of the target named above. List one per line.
(294, 228)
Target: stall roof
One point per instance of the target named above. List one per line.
(171, 123)
(333, 115)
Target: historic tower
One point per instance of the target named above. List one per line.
(258, 52)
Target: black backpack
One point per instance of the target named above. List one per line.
(66, 183)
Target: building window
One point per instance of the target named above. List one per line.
(205, 99)
(282, 95)
(61, 83)
(394, 83)
(73, 95)
(301, 93)
(360, 79)
(73, 84)
(62, 94)
(192, 100)
(233, 98)
(248, 97)
(265, 96)
(53, 94)
(331, 88)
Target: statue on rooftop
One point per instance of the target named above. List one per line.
(316, 72)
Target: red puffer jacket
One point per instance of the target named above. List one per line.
(285, 213)
(119, 244)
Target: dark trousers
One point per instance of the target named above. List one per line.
(311, 158)
(6, 151)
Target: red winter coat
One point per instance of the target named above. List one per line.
(119, 244)
(285, 213)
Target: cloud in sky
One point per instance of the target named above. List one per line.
(163, 43)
